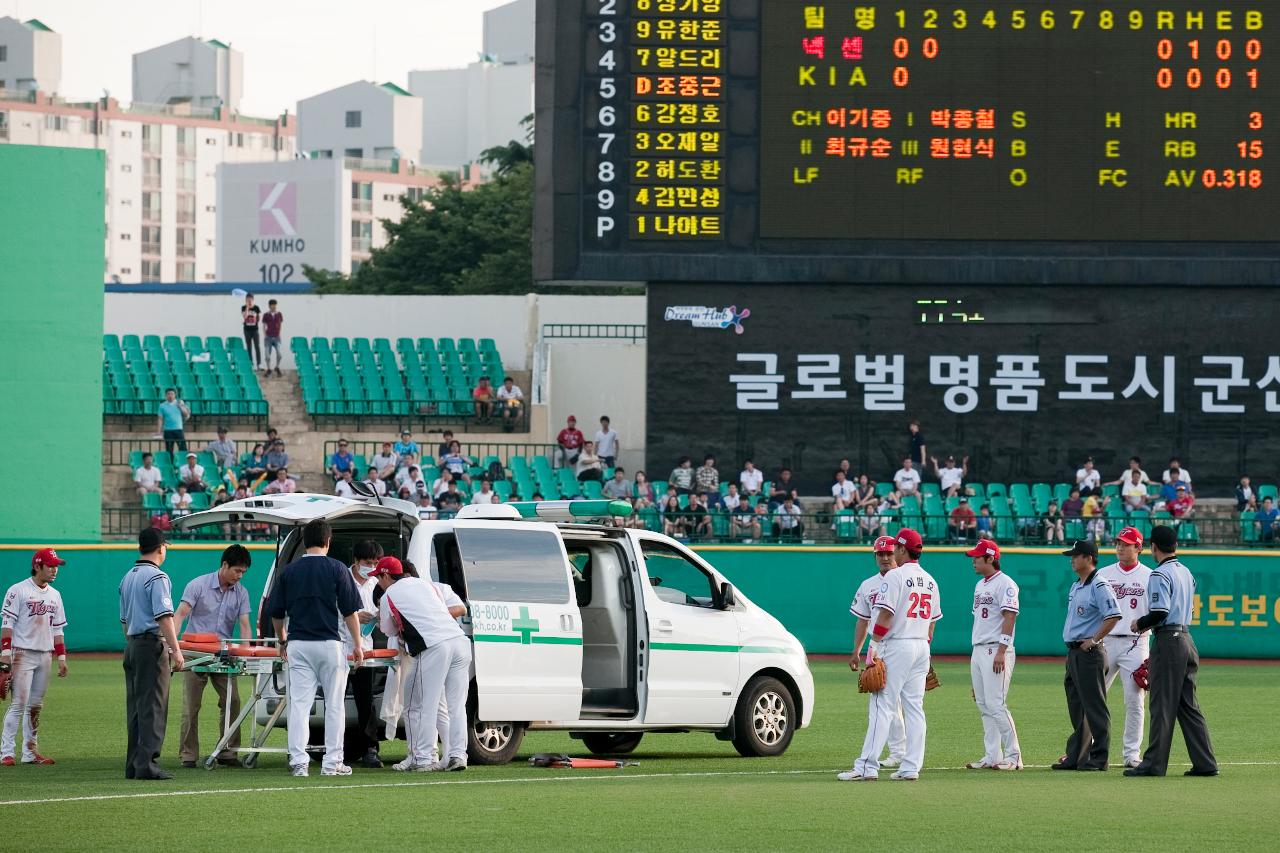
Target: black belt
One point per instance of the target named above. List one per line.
(145, 635)
(1170, 628)
(1075, 644)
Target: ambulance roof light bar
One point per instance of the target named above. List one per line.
(568, 511)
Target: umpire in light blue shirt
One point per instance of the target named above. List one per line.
(1092, 611)
(1173, 664)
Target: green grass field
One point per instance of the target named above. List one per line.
(690, 791)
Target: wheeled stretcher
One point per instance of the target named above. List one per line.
(210, 655)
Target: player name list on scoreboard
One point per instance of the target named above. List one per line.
(1138, 120)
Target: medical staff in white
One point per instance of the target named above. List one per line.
(31, 635)
(995, 610)
(864, 601)
(414, 611)
(1127, 650)
(907, 606)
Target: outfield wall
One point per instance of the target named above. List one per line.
(808, 588)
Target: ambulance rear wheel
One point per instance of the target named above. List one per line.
(616, 743)
(765, 719)
(493, 742)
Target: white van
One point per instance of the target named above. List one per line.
(577, 624)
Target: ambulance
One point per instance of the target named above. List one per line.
(577, 624)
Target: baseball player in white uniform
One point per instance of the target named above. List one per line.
(908, 604)
(995, 610)
(864, 601)
(1126, 650)
(31, 632)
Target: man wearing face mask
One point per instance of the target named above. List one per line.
(360, 747)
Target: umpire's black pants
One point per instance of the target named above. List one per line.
(1090, 741)
(146, 692)
(1172, 678)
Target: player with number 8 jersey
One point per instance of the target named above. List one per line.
(906, 608)
(995, 612)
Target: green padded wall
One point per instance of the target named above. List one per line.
(51, 266)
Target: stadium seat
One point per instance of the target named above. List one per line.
(1267, 491)
(1248, 528)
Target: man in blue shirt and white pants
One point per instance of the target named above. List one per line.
(1092, 611)
(313, 592)
(1173, 665)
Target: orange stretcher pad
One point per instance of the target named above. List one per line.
(211, 644)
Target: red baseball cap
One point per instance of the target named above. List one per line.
(572, 418)
(910, 539)
(985, 548)
(47, 557)
(1132, 535)
(883, 544)
(387, 566)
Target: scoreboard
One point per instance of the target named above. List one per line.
(938, 141)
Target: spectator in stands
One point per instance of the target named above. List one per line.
(250, 316)
(456, 463)
(375, 483)
(171, 419)
(1134, 493)
(950, 478)
(426, 509)
(1095, 525)
(1073, 506)
(846, 468)
(916, 450)
(1245, 498)
(617, 487)
(865, 493)
(1268, 520)
(1135, 465)
(276, 459)
(607, 443)
(386, 462)
(1169, 492)
(485, 494)
(1182, 504)
(727, 502)
(406, 445)
(762, 515)
(870, 524)
(342, 486)
(450, 500)
(511, 399)
(1088, 480)
(907, 479)
(672, 517)
(272, 436)
(272, 326)
(751, 479)
(568, 443)
(223, 449)
(148, 477)
(1051, 521)
(986, 528)
(589, 465)
(706, 480)
(743, 522)
(681, 476)
(180, 502)
(191, 474)
(242, 492)
(482, 396)
(1175, 471)
(220, 496)
(642, 491)
(785, 486)
(282, 485)
(962, 524)
(441, 484)
(787, 523)
(254, 466)
(888, 503)
(408, 478)
(697, 519)
(446, 439)
(496, 498)
(342, 462)
(843, 493)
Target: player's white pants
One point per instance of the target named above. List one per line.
(312, 664)
(906, 663)
(443, 671)
(30, 681)
(990, 691)
(1123, 657)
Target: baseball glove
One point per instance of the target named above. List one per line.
(1142, 675)
(931, 679)
(872, 678)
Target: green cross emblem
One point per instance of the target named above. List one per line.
(525, 627)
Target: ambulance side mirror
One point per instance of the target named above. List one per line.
(726, 598)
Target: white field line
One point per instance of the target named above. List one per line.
(586, 777)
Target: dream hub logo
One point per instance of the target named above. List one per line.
(706, 317)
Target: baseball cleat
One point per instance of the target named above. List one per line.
(1133, 762)
(336, 770)
(979, 765)
(7, 761)
(39, 759)
(1007, 765)
(854, 776)
(900, 776)
(300, 770)
(891, 762)
(456, 763)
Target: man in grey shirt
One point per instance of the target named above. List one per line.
(617, 488)
(223, 449)
(214, 604)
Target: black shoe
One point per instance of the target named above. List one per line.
(190, 765)
(1195, 772)
(1062, 766)
(1141, 770)
(1088, 768)
(371, 759)
(158, 775)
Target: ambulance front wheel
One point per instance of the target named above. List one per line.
(490, 742)
(765, 718)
